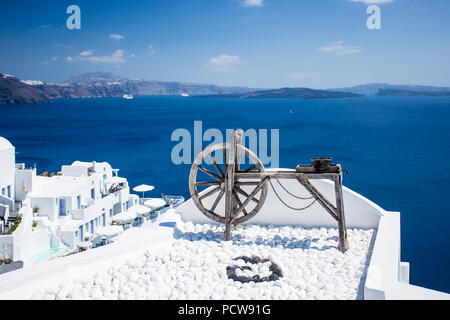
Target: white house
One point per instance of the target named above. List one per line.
(57, 211)
(7, 171)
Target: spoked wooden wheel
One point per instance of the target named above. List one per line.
(210, 173)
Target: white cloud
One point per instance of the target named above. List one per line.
(338, 47)
(253, 3)
(54, 58)
(116, 57)
(151, 50)
(87, 53)
(224, 62)
(226, 59)
(116, 36)
(372, 1)
(46, 26)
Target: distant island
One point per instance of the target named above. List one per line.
(292, 93)
(411, 93)
(104, 84)
(385, 89)
(98, 85)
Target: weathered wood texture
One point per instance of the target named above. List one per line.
(229, 183)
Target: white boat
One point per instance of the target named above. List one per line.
(128, 96)
(184, 94)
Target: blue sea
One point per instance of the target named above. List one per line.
(397, 149)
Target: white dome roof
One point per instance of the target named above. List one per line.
(5, 144)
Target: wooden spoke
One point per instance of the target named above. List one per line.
(246, 183)
(250, 168)
(254, 192)
(245, 194)
(207, 183)
(209, 193)
(216, 166)
(222, 192)
(209, 173)
(239, 202)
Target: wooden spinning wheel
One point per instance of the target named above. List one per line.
(247, 195)
(234, 195)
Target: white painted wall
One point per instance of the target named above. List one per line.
(359, 211)
(7, 167)
(24, 178)
(47, 207)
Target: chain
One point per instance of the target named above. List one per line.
(281, 200)
(291, 194)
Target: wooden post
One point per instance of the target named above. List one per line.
(343, 242)
(229, 198)
(238, 136)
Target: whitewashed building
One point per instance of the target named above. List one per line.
(57, 211)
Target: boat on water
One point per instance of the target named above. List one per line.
(127, 96)
(185, 94)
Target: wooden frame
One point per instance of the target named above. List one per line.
(228, 183)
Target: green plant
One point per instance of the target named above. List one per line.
(17, 221)
(34, 224)
(35, 209)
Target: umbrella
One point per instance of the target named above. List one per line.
(140, 210)
(114, 180)
(124, 217)
(109, 231)
(155, 203)
(143, 188)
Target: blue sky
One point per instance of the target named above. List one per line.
(255, 43)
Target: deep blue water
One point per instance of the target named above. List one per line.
(396, 147)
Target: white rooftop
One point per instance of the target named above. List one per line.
(5, 144)
(57, 186)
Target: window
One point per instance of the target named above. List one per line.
(78, 202)
(3, 191)
(9, 191)
(86, 226)
(93, 193)
(110, 212)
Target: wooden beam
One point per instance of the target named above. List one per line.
(320, 198)
(343, 242)
(283, 174)
(229, 184)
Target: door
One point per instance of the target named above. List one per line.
(92, 227)
(103, 220)
(62, 207)
(80, 232)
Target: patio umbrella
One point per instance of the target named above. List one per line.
(109, 231)
(124, 217)
(140, 210)
(143, 188)
(114, 180)
(155, 203)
